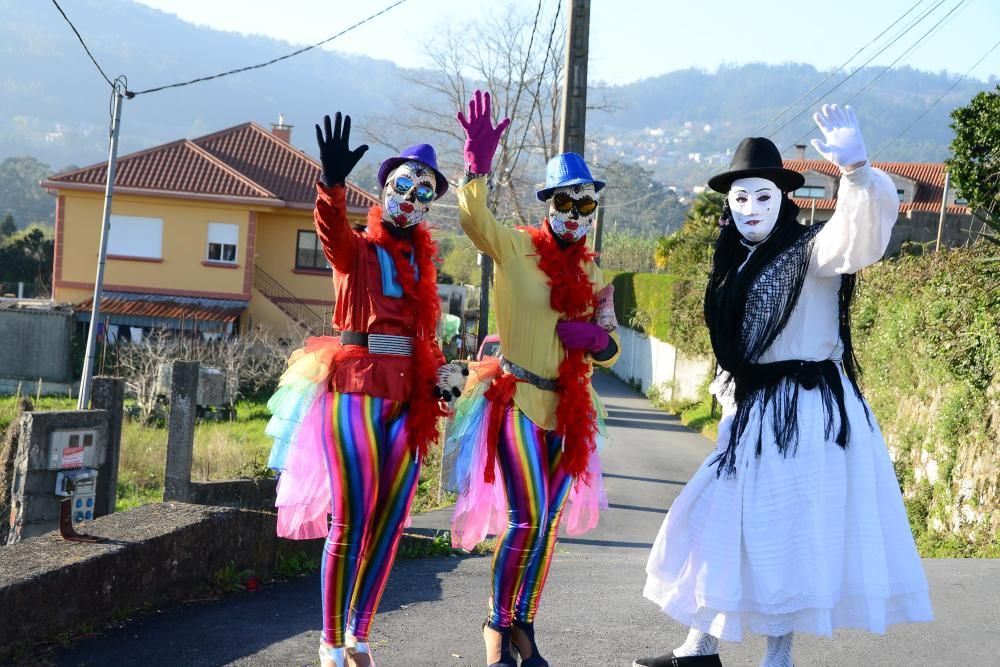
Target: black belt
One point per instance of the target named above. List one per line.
(379, 343)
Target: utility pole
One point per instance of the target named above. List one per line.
(944, 204)
(574, 107)
(83, 401)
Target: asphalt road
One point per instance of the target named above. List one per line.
(592, 614)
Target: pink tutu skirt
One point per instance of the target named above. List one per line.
(299, 426)
(481, 507)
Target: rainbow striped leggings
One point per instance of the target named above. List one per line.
(373, 476)
(536, 489)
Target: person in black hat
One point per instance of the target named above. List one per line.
(528, 428)
(354, 415)
(795, 523)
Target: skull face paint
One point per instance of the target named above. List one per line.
(572, 210)
(409, 190)
(755, 203)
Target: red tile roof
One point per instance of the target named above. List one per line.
(166, 307)
(929, 177)
(244, 162)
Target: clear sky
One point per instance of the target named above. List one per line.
(634, 39)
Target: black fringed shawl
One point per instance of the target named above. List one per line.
(746, 310)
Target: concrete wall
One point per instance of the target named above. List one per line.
(653, 363)
(35, 344)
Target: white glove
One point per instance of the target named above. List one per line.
(844, 145)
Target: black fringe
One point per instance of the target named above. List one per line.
(775, 387)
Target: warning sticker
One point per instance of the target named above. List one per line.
(72, 457)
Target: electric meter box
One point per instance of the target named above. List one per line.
(75, 448)
(80, 486)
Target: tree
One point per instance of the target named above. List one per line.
(27, 257)
(519, 59)
(20, 193)
(975, 160)
(689, 250)
(635, 203)
(8, 227)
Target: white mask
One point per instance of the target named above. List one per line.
(754, 203)
(571, 225)
(409, 190)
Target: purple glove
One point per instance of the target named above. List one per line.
(481, 137)
(580, 335)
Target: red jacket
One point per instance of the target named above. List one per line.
(361, 305)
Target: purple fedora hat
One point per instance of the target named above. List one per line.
(421, 153)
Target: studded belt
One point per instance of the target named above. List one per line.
(525, 375)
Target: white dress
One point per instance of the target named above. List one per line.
(816, 540)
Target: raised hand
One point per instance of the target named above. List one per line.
(844, 146)
(336, 156)
(481, 136)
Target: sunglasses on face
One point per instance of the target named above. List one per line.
(403, 185)
(563, 203)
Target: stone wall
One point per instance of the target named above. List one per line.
(153, 555)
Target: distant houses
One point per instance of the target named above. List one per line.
(209, 235)
(919, 185)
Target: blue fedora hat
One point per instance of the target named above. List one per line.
(566, 169)
(421, 153)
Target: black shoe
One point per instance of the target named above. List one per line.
(506, 659)
(674, 661)
(534, 659)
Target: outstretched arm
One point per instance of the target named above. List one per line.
(330, 215)
(867, 205)
(481, 139)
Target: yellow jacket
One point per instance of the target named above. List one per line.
(525, 317)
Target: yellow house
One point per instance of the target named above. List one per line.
(212, 235)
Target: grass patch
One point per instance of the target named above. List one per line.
(701, 415)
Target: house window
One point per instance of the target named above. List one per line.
(901, 193)
(811, 192)
(222, 241)
(134, 236)
(309, 253)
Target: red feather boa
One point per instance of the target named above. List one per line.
(423, 305)
(572, 295)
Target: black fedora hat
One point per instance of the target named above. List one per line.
(757, 156)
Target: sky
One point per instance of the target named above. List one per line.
(636, 39)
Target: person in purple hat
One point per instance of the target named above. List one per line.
(354, 415)
(528, 428)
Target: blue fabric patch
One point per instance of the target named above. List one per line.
(390, 281)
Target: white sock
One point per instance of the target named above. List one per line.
(697, 643)
(779, 652)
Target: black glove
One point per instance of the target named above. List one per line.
(338, 160)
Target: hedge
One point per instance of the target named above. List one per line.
(665, 306)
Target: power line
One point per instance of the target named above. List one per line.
(346, 30)
(84, 44)
(910, 50)
(920, 40)
(840, 67)
(935, 102)
(908, 28)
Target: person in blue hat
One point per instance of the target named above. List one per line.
(528, 427)
(354, 415)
